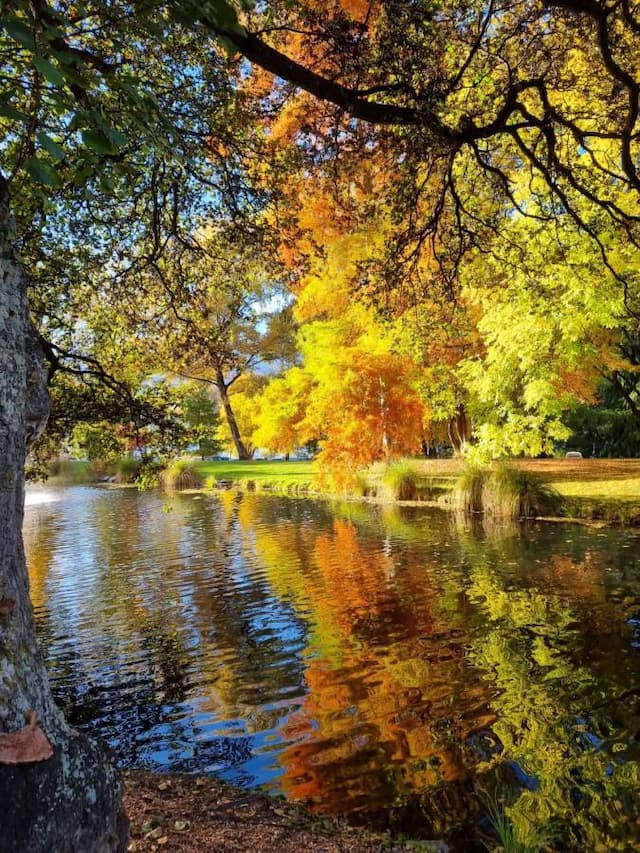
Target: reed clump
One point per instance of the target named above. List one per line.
(400, 482)
(127, 469)
(181, 474)
(504, 492)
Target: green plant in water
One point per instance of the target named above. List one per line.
(181, 474)
(400, 482)
(510, 838)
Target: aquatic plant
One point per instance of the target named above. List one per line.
(515, 836)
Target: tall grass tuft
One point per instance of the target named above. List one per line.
(127, 469)
(467, 494)
(181, 474)
(400, 482)
(524, 838)
(504, 492)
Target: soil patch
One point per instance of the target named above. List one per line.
(191, 814)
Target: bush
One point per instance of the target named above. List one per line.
(181, 474)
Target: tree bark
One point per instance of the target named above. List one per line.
(240, 446)
(72, 800)
(459, 430)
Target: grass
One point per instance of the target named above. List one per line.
(258, 475)
(510, 838)
(401, 481)
(607, 489)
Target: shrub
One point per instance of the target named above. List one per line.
(181, 474)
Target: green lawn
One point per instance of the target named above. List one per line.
(281, 475)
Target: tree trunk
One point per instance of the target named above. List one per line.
(71, 800)
(241, 449)
(459, 430)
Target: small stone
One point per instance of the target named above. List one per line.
(164, 840)
(133, 847)
(163, 786)
(181, 825)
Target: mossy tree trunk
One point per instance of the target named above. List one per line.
(71, 800)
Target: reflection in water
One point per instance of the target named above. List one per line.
(383, 661)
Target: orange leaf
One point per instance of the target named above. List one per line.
(26, 745)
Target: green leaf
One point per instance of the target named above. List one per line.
(56, 151)
(118, 140)
(97, 141)
(7, 111)
(48, 70)
(18, 31)
(42, 172)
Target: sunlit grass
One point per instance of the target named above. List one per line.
(261, 474)
(621, 490)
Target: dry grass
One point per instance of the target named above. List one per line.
(606, 489)
(559, 471)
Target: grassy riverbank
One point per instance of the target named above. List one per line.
(595, 489)
(592, 489)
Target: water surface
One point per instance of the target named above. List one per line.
(388, 662)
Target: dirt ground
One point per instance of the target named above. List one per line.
(191, 814)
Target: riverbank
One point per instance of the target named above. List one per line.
(190, 814)
(599, 490)
(589, 490)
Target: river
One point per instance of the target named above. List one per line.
(414, 670)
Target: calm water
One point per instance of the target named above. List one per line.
(388, 662)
